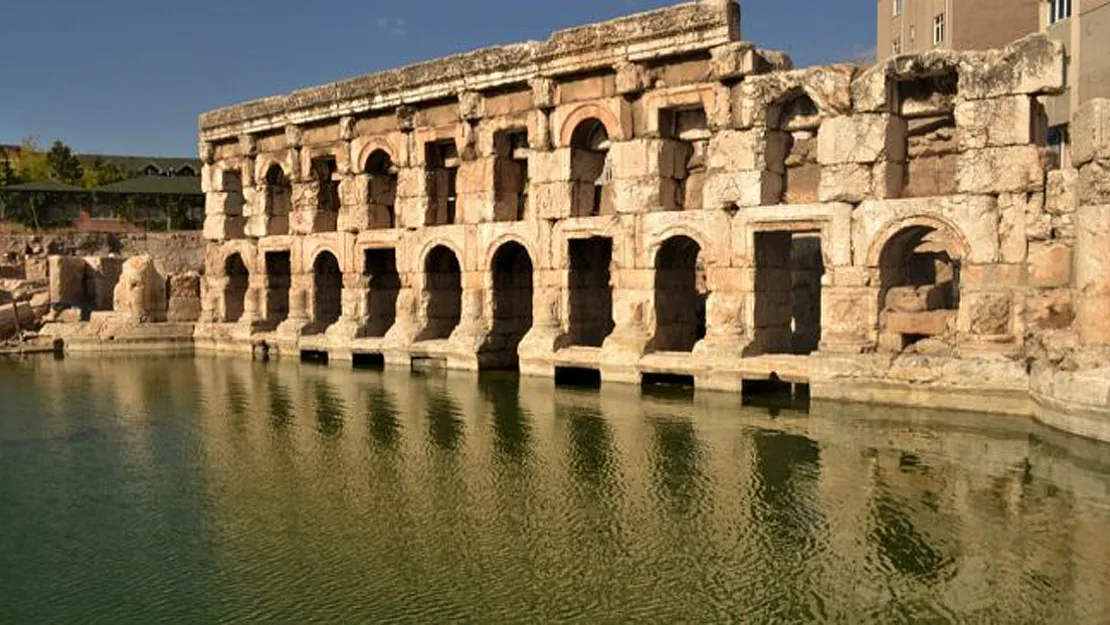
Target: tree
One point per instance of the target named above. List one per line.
(64, 166)
(99, 174)
(30, 162)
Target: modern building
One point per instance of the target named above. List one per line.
(1083, 26)
(915, 26)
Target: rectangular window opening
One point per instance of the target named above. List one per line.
(938, 29)
(578, 377)
(374, 362)
(314, 357)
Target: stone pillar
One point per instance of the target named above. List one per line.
(538, 346)
(353, 320)
(1091, 155)
(725, 331)
(740, 170)
(223, 210)
(299, 315)
(862, 157)
(849, 310)
(354, 207)
(644, 175)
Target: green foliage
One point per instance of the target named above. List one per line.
(99, 173)
(30, 162)
(64, 166)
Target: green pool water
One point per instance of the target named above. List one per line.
(205, 490)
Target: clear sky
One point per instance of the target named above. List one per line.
(131, 76)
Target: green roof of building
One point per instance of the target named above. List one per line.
(140, 164)
(46, 186)
(155, 185)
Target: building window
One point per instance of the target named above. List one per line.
(896, 46)
(1059, 10)
(938, 29)
(897, 7)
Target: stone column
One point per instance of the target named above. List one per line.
(1091, 155)
(353, 320)
(538, 345)
(299, 315)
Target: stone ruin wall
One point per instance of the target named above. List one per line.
(67, 277)
(652, 194)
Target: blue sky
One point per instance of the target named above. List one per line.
(131, 76)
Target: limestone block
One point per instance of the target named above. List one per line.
(871, 91)
(914, 299)
(140, 295)
(848, 315)
(184, 298)
(991, 276)
(1016, 169)
(101, 277)
(36, 268)
(861, 139)
(641, 195)
(411, 182)
(1092, 272)
(218, 203)
(1029, 66)
(746, 188)
(306, 195)
(732, 61)
(719, 116)
(1049, 310)
(475, 176)
(1012, 236)
(354, 190)
(990, 314)
(67, 279)
(640, 158)
(998, 122)
(552, 166)
(543, 93)
(1090, 132)
(846, 182)
(632, 78)
(1062, 192)
(1049, 264)
(929, 323)
(746, 150)
(1094, 182)
(551, 200)
(470, 105)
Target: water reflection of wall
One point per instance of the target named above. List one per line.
(348, 474)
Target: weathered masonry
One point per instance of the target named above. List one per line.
(652, 195)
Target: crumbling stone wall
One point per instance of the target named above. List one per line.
(904, 211)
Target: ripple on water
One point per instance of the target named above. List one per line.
(178, 490)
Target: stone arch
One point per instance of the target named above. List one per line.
(512, 273)
(277, 199)
(681, 293)
(327, 290)
(442, 294)
(235, 287)
(265, 161)
(795, 118)
(381, 188)
(246, 252)
(704, 242)
(362, 159)
(591, 169)
(493, 248)
(584, 113)
(960, 242)
(918, 268)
